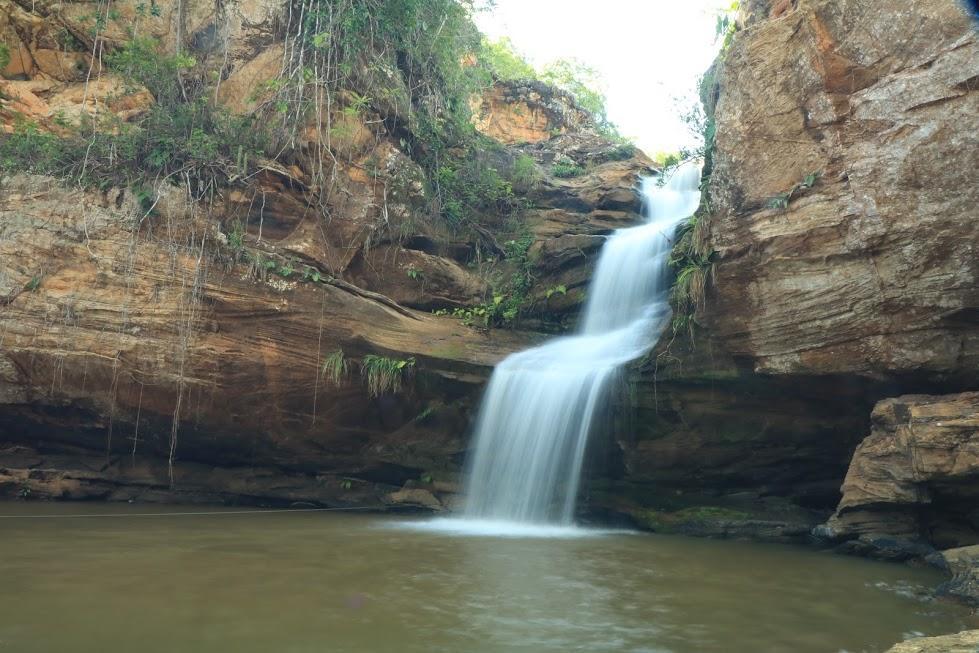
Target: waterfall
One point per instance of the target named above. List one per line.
(539, 406)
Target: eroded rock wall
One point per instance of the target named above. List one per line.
(177, 352)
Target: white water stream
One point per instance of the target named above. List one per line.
(540, 404)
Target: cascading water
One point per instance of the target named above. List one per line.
(540, 404)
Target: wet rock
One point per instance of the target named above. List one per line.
(965, 642)
(963, 564)
(416, 497)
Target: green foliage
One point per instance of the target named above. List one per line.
(781, 201)
(384, 374)
(667, 159)
(583, 83)
(414, 273)
(236, 236)
(556, 290)
(33, 284)
(567, 170)
(140, 62)
(693, 264)
(510, 295)
(335, 367)
(524, 174)
(4, 56)
(504, 61)
(30, 150)
(726, 25)
(469, 184)
(186, 141)
(428, 41)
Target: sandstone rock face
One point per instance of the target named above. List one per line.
(872, 271)
(117, 337)
(828, 296)
(916, 477)
(964, 642)
(526, 112)
(140, 349)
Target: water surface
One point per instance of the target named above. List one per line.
(341, 582)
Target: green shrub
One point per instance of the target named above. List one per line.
(524, 174)
(567, 170)
(504, 62)
(384, 374)
(469, 185)
(4, 56)
(335, 367)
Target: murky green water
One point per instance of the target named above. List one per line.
(329, 582)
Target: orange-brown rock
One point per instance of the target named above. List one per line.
(526, 112)
(872, 271)
(117, 330)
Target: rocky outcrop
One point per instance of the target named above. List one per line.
(963, 564)
(527, 112)
(916, 477)
(964, 642)
(842, 238)
(871, 271)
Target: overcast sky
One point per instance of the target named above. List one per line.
(648, 52)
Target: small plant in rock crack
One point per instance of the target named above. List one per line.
(414, 274)
(781, 201)
(385, 374)
(335, 367)
(33, 284)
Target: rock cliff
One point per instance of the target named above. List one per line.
(840, 247)
(157, 347)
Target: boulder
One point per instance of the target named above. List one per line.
(963, 564)
(916, 476)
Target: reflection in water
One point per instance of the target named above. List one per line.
(288, 582)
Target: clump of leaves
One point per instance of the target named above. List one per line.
(469, 183)
(4, 56)
(693, 263)
(556, 290)
(33, 284)
(781, 201)
(504, 61)
(510, 295)
(567, 170)
(335, 367)
(385, 375)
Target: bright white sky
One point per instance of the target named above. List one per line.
(649, 53)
